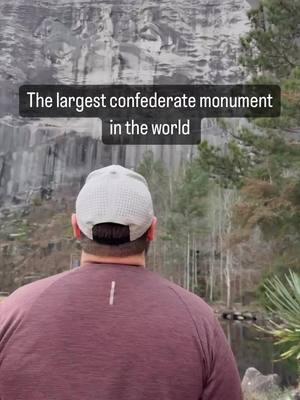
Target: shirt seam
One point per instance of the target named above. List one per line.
(26, 313)
(196, 328)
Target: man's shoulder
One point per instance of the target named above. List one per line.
(193, 304)
(16, 307)
(199, 313)
(24, 297)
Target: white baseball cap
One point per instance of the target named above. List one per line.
(117, 195)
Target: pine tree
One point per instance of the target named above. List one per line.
(272, 45)
(263, 163)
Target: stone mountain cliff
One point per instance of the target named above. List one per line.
(96, 42)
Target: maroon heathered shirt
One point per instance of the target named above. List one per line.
(79, 336)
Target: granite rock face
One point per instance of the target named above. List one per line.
(255, 383)
(96, 42)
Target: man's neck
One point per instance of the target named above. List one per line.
(136, 260)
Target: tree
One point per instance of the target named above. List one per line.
(186, 222)
(158, 180)
(159, 183)
(180, 204)
(262, 159)
(272, 45)
(284, 299)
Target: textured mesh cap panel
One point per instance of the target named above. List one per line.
(117, 195)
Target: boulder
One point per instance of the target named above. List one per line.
(255, 383)
(296, 394)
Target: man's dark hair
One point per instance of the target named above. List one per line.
(113, 240)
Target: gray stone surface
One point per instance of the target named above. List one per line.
(79, 42)
(256, 383)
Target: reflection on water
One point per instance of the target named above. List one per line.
(253, 349)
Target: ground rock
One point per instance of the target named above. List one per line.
(255, 382)
(296, 394)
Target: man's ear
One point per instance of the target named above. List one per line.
(151, 234)
(76, 229)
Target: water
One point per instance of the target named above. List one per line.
(254, 349)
